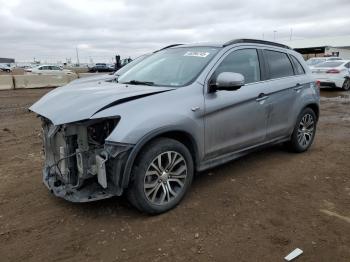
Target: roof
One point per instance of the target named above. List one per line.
(255, 41)
(202, 44)
(231, 42)
(334, 41)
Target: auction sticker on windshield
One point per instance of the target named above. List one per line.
(197, 54)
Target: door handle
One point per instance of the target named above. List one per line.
(297, 87)
(261, 97)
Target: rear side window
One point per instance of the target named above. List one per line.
(299, 70)
(244, 61)
(279, 64)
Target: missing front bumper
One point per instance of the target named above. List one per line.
(91, 191)
(105, 184)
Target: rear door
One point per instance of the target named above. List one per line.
(284, 88)
(55, 70)
(46, 70)
(43, 70)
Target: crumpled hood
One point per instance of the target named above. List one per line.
(80, 101)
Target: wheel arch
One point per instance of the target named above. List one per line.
(180, 135)
(315, 107)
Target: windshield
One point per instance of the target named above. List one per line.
(314, 61)
(130, 65)
(173, 67)
(330, 64)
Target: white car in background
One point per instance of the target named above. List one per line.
(50, 70)
(333, 74)
(312, 62)
(5, 68)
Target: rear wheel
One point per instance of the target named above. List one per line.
(304, 131)
(161, 177)
(346, 85)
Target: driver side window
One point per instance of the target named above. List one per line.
(243, 61)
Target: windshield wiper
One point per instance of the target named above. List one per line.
(136, 82)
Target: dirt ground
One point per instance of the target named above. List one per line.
(257, 208)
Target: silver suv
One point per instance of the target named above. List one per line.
(180, 110)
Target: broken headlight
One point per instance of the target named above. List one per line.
(98, 132)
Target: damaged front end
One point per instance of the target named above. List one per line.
(80, 166)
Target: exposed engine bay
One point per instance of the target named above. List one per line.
(79, 165)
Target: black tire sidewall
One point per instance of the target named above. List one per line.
(146, 156)
(346, 83)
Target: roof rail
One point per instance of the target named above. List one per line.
(254, 41)
(166, 47)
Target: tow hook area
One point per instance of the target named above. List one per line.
(101, 160)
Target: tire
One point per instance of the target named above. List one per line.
(346, 85)
(157, 187)
(304, 131)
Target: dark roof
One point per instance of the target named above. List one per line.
(255, 41)
(231, 42)
(166, 47)
(7, 60)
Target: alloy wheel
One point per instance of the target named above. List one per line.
(165, 177)
(306, 130)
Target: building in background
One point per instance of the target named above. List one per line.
(324, 46)
(7, 60)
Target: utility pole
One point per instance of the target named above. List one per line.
(291, 34)
(76, 49)
(274, 35)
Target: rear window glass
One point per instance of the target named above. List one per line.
(315, 61)
(279, 64)
(330, 64)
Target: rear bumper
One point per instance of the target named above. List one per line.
(330, 81)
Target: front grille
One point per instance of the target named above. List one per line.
(60, 154)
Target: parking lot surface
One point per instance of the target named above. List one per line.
(257, 208)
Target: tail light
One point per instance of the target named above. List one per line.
(318, 83)
(333, 71)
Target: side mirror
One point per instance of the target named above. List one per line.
(227, 81)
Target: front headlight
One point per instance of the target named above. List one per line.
(99, 131)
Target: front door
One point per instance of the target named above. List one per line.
(235, 120)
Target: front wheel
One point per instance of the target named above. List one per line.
(162, 174)
(304, 131)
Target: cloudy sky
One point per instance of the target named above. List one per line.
(51, 30)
